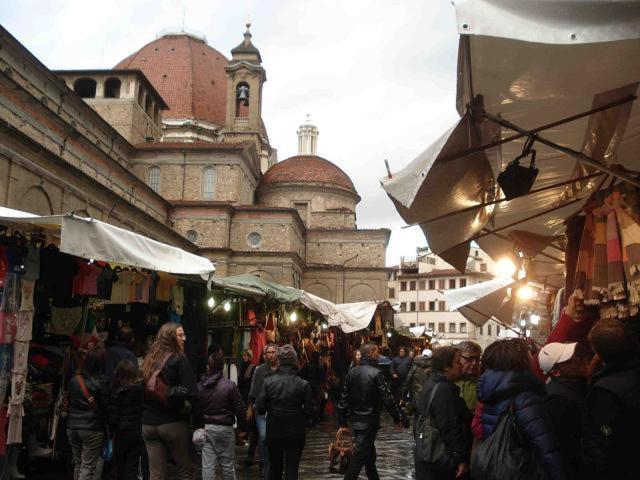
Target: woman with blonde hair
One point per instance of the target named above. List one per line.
(170, 391)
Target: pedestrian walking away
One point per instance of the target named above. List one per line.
(365, 393)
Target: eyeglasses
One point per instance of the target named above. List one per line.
(182, 335)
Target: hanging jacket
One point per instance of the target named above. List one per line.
(497, 389)
(612, 422)
(125, 408)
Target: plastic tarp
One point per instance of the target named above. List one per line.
(481, 302)
(92, 239)
(532, 64)
(350, 317)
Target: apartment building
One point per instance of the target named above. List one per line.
(418, 285)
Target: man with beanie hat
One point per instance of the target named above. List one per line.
(288, 403)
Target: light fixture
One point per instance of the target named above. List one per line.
(211, 302)
(505, 267)
(324, 326)
(389, 334)
(534, 318)
(517, 180)
(526, 293)
(293, 317)
(523, 323)
(227, 306)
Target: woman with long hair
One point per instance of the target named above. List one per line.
(125, 419)
(86, 421)
(165, 428)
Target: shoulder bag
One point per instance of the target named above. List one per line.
(430, 447)
(157, 386)
(505, 453)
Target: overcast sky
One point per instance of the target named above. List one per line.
(377, 77)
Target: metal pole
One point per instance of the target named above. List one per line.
(568, 151)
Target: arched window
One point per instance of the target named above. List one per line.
(242, 100)
(85, 87)
(112, 88)
(208, 183)
(154, 178)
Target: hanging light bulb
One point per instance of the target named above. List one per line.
(324, 326)
(526, 293)
(293, 317)
(389, 334)
(534, 318)
(505, 267)
(523, 323)
(211, 302)
(227, 306)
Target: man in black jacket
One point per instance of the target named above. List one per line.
(121, 349)
(365, 393)
(449, 414)
(612, 421)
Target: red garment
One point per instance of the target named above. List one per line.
(476, 423)
(4, 264)
(566, 331)
(85, 282)
(8, 326)
(256, 344)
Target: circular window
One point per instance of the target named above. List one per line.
(254, 239)
(192, 236)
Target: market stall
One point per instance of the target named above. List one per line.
(67, 283)
(537, 140)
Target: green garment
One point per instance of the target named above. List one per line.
(416, 378)
(468, 392)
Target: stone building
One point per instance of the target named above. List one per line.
(418, 286)
(171, 143)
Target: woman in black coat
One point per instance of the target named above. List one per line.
(288, 403)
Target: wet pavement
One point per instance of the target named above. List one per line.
(394, 449)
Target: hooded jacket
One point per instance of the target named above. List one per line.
(420, 370)
(125, 408)
(219, 400)
(497, 389)
(82, 415)
(612, 422)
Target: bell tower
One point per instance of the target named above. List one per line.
(244, 87)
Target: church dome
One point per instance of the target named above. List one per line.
(189, 75)
(307, 169)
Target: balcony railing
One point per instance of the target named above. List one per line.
(241, 121)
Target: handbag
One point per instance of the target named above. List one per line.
(340, 452)
(430, 447)
(505, 454)
(156, 386)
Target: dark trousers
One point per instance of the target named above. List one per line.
(127, 450)
(364, 455)
(284, 454)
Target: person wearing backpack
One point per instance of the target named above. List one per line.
(86, 420)
(509, 387)
(440, 408)
(170, 393)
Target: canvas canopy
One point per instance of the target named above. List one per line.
(483, 301)
(350, 317)
(560, 76)
(92, 239)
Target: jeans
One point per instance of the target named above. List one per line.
(364, 455)
(285, 454)
(127, 449)
(170, 439)
(261, 426)
(219, 450)
(86, 446)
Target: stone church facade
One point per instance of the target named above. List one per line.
(171, 143)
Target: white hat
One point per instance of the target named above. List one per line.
(427, 353)
(554, 353)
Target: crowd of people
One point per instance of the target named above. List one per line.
(575, 408)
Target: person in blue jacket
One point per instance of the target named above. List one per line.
(508, 378)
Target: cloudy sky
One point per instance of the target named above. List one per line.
(377, 77)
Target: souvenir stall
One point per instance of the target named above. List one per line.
(536, 145)
(68, 283)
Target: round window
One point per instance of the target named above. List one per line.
(192, 236)
(254, 239)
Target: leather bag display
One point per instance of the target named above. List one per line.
(505, 454)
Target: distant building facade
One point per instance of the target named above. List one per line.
(418, 286)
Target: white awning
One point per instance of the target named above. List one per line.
(561, 73)
(93, 239)
(484, 301)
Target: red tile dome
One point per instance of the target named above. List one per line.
(189, 75)
(307, 169)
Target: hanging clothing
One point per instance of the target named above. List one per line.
(177, 299)
(256, 344)
(120, 289)
(64, 321)
(27, 288)
(163, 288)
(24, 326)
(85, 281)
(32, 263)
(10, 301)
(8, 326)
(104, 283)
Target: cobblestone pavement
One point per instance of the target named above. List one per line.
(394, 449)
